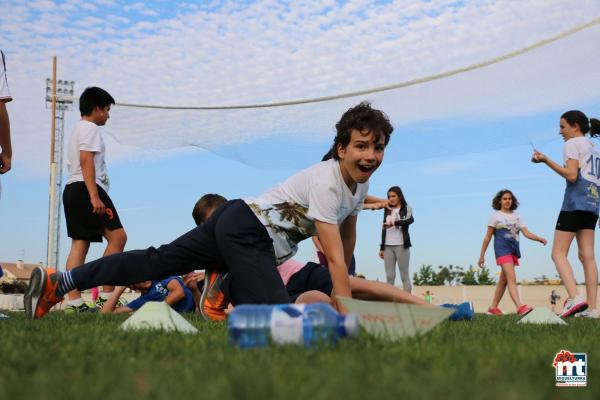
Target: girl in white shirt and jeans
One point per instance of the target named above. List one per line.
(395, 240)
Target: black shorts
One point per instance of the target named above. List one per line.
(82, 224)
(573, 221)
(311, 277)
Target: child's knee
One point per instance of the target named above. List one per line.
(117, 238)
(586, 256)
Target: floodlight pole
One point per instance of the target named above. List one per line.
(59, 96)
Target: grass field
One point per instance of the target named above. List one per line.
(87, 356)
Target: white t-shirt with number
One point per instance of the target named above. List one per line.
(584, 193)
(86, 136)
(289, 210)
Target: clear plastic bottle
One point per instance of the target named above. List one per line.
(307, 324)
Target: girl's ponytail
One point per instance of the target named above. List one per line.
(594, 127)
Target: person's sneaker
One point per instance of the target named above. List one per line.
(40, 295)
(573, 306)
(524, 310)
(464, 311)
(495, 311)
(212, 302)
(82, 308)
(593, 313)
(100, 303)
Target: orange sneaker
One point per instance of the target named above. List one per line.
(40, 296)
(213, 302)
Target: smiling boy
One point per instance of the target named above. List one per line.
(245, 240)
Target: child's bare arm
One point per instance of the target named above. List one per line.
(533, 237)
(109, 306)
(374, 203)
(348, 235)
(484, 246)
(569, 171)
(329, 235)
(176, 292)
(5, 143)
(88, 170)
(317, 244)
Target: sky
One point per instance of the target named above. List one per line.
(457, 141)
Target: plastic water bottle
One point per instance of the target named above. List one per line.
(307, 324)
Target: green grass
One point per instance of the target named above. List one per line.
(87, 356)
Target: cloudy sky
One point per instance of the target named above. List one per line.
(457, 140)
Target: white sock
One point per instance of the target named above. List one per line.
(104, 295)
(76, 302)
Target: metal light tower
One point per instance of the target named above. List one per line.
(59, 97)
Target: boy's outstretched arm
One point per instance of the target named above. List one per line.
(375, 203)
(331, 240)
(109, 306)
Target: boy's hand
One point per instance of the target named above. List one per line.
(338, 305)
(543, 241)
(98, 206)
(381, 254)
(481, 262)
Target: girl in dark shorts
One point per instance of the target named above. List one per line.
(579, 211)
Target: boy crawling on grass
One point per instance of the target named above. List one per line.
(243, 241)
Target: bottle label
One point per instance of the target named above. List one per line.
(287, 324)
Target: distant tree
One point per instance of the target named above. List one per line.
(445, 275)
(484, 277)
(452, 275)
(469, 277)
(425, 276)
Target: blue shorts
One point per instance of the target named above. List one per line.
(311, 277)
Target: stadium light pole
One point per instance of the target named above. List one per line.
(59, 97)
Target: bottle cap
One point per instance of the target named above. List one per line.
(351, 325)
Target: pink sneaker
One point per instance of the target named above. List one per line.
(495, 311)
(573, 306)
(524, 310)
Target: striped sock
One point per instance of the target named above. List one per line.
(65, 283)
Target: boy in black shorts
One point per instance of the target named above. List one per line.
(89, 211)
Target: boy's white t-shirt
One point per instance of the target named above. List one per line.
(289, 210)
(86, 136)
(4, 92)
